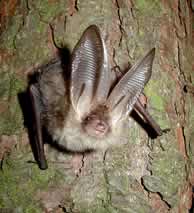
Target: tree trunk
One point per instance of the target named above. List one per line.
(142, 176)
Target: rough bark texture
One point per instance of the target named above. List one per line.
(143, 176)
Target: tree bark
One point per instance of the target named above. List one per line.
(142, 176)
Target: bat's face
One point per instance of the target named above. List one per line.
(97, 123)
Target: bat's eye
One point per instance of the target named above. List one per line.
(90, 118)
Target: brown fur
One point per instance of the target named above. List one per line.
(62, 121)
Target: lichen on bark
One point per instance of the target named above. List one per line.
(142, 176)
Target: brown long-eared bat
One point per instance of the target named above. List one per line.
(86, 112)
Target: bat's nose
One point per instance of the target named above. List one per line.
(101, 126)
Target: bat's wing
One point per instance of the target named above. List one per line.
(36, 106)
(90, 80)
(125, 93)
(148, 118)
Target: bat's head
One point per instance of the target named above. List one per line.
(91, 85)
(96, 123)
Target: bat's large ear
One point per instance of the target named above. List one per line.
(125, 93)
(90, 75)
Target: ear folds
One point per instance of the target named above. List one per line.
(125, 93)
(90, 81)
(90, 78)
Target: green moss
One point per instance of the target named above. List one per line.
(157, 102)
(118, 181)
(13, 24)
(49, 10)
(34, 26)
(10, 84)
(21, 181)
(31, 42)
(141, 4)
(8, 36)
(168, 173)
(97, 209)
(11, 121)
(146, 6)
(4, 85)
(188, 130)
(155, 98)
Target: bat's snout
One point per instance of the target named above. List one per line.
(95, 127)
